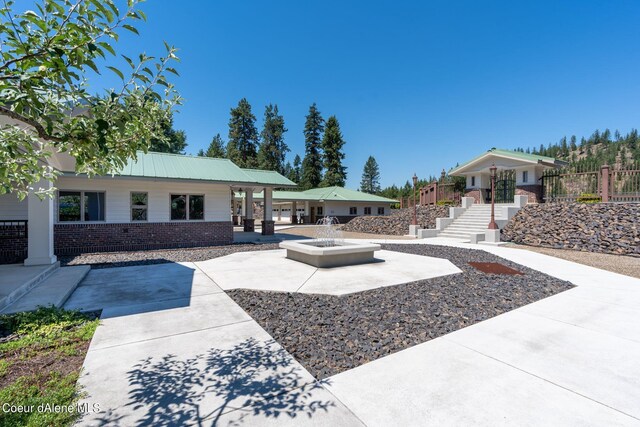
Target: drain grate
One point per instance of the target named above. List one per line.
(494, 268)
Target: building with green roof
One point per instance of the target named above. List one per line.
(156, 200)
(517, 173)
(310, 205)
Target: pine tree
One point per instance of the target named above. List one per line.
(243, 136)
(332, 143)
(176, 139)
(273, 149)
(312, 163)
(371, 177)
(297, 169)
(216, 148)
(573, 146)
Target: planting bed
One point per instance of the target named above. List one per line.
(331, 334)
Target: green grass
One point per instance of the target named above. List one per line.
(49, 334)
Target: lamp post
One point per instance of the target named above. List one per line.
(492, 224)
(415, 208)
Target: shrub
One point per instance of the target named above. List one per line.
(589, 198)
(445, 203)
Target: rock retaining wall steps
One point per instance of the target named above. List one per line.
(603, 227)
(397, 224)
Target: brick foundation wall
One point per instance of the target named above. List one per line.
(71, 239)
(476, 194)
(533, 192)
(13, 247)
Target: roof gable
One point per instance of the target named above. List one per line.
(515, 157)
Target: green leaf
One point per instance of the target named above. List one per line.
(115, 70)
(130, 28)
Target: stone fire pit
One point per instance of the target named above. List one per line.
(337, 254)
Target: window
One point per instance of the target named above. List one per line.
(320, 210)
(80, 206)
(367, 211)
(353, 211)
(187, 207)
(525, 176)
(196, 207)
(473, 181)
(139, 204)
(380, 211)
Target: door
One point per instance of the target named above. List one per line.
(505, 186)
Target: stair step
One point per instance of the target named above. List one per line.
(54, 290)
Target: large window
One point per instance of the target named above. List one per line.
(187, 207)
(353, 211)
(320, 210)
(80, 206)
(367, 211)
(380, 211)
(525, 176)
(139, 206)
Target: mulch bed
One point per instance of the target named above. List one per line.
(331, 334)
(127, 259)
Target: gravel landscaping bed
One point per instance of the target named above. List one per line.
(331, 334)
(126, 259)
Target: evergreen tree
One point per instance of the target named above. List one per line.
(216, 148)
(312, 163)
(371, 177)
(332, 143)
(273, 149)
(297, 169)
(243, 136)
(573, 146)
(176, 140)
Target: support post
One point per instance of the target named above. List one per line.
(248, 210)
(268, 228)
(415, 209)
(294, 213)
(604, 179)
(40, 227)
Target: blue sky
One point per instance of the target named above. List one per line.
(418, 85)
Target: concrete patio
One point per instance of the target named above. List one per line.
(186, 353)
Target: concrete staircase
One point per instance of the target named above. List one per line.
(473, 220)
(52, 288)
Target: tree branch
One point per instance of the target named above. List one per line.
(40, 130)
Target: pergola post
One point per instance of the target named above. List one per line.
(249, 222)
(40, 227)
(268, 225)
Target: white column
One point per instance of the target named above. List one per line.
(268, 204)
(243, 210)
(306, 208)
(40, 216)
(248, 200)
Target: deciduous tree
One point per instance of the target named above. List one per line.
(46, 106)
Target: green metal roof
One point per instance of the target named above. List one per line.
(531, 158)
(269, 177)
(177, 166)
(326, 194)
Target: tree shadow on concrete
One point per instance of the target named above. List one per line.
(253, 378)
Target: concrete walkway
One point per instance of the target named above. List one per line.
(187, 354)
(174, 349)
